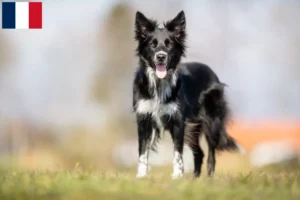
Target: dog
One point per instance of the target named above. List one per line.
(186, 99)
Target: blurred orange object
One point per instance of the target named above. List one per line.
(250, 134)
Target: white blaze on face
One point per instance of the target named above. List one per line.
(178, 167)
(161, 69)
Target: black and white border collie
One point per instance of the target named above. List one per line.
(186, 99)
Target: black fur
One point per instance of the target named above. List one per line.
(202, 108)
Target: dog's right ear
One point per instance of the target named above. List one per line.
(143, 26)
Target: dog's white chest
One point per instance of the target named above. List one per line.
(155, 108)
(161, 91)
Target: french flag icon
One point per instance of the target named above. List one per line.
(22, 15)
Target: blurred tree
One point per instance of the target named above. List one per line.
(112, 86)
(116, 47)
(4, 51)
(4, 58)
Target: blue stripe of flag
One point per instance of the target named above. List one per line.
(8, 15)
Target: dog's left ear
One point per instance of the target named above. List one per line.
(177, 25)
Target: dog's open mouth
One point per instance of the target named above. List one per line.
(161, 71)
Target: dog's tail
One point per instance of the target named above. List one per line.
(227, 143)
(216, 111)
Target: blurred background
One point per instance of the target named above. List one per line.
(66, 90)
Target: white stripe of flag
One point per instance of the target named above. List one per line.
(22, 15)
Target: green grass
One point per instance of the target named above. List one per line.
(77, 184)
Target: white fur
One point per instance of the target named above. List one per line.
(174, 79)
(155, 107)
(161, 52)
(178, 167)
(143, 165)
(151, 76)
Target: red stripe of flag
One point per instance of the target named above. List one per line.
(35, 15)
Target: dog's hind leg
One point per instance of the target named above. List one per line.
(192, 140)
(198, 159)
(211, 160)
(212, 138)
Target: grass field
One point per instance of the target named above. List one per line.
(77, 184)
(97, 177)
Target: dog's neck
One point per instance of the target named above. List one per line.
(161, 89)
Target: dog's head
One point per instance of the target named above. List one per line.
(160, 48)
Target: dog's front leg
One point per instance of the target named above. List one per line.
(145, 130)
(178, 139)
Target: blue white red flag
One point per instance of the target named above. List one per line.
(22, 15)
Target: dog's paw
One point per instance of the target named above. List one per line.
(142, 170)
(177, 175)
(141, 175)
(178, 168)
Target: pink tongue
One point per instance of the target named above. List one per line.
(161, 71)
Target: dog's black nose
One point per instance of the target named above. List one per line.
(161, 57)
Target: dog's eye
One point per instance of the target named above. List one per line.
(168, 43)
(153, 44)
